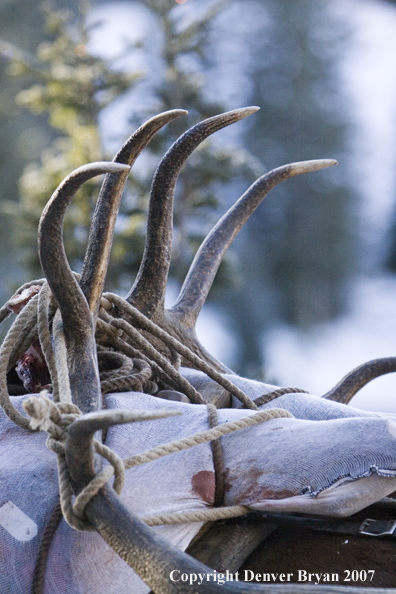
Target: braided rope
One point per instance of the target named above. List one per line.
(55, 419)
(27, 336)
(43, 307)
(110, 335)
(45, 544)
(61, 366)
(123, 363)
(6, 311)
(270, 396)
(161, 361)
(5, 352)
(204, 515)
(193, 440)
(40, 309)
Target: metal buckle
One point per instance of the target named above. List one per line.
(377, 527)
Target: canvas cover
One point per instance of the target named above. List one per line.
(280, 461)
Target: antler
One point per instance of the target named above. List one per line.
(209, 256)
(356, 379)
(148, 292)
(149, 555)
(100, 238)
(76, 316)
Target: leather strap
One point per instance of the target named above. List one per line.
(369, 527)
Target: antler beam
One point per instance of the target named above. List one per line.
(148, 292)
(356, 379)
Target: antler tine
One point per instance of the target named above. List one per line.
(79, 444)
(203, 270)
(148, 292)
(101, 235)
(356, 379)
(76, 316)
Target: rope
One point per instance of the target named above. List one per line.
(170, 341)
(26, 337)
(43, 320)
(270, 396)
(45, 544)
(55, 418)
(61, 366)
(188, 442)
(112, 337)
(7, 310)
(159, 359)
(5, 352)
(35, 320)
(204, 515)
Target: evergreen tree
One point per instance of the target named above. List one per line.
(72, 87)
(22, 135)
(295, 256)
(185, 56)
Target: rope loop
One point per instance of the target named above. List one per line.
(55, 419)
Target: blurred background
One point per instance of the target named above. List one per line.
(308, 289)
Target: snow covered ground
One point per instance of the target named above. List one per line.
(317, 359)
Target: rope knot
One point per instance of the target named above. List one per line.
(46, 415)
(55, 419)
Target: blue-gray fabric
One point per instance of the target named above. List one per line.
(302, 406)
(282, 458)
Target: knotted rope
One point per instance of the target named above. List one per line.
(55, 418)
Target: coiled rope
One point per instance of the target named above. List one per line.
(123, 334)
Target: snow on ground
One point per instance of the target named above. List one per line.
(317, 359)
